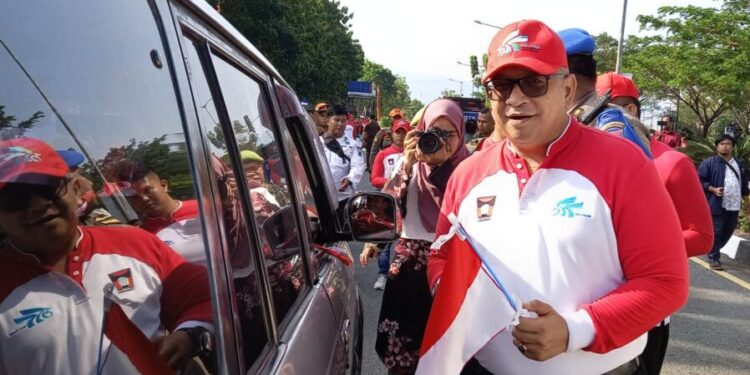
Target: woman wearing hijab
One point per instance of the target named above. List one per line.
(419, 186)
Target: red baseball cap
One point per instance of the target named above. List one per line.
(527, 44)
(25, 159)
(401, 124)
(619, 84)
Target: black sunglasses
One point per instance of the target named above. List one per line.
(532, 86)
(16, 197)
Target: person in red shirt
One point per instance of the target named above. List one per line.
(174, 221)
(667, 134)
(387, 159)
(85, 300)
(539, 224)
(677, 172)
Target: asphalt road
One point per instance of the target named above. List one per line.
(709, 336)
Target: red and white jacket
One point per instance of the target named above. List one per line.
(181, 231)
(592, 232)
(51, 322)
(384, 165)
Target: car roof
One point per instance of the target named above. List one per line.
(209, 14)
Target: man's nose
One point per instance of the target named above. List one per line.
(516, 96)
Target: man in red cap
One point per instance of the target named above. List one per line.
(580, 254)
(84, 300)
(678, 174)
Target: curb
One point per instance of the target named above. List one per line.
(738, 249)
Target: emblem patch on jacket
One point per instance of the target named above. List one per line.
(122, 280)
(485, 205)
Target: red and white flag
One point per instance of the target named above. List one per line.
(469, 309)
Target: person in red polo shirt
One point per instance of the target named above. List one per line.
(678, 175)
(85, 300)
(580, 255)
(174, 221)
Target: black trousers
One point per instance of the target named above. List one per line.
(656, 349)
(724, 226)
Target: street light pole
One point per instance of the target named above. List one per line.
(478, 22)
(464, 64)
(461, 83)
(618, 64)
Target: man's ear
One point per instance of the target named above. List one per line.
(77, 187)
(570, 90)
(633, 109)
(164, 184)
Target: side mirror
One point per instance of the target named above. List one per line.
(373, 217)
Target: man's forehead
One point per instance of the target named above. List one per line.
(513, 72)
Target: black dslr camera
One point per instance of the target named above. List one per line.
(661, 123)
(430, 140)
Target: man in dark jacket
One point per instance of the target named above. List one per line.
(724, 181)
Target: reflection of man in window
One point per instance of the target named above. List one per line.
(264, 203)
(89, 212)
(64, 274)
(175, 222)
(344, 155)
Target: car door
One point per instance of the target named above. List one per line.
(334, 273)
(282, 317)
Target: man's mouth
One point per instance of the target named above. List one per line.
(518, 117)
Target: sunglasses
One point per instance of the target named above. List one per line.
(532, 86)
(17, 196)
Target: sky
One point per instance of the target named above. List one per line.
(423, 40)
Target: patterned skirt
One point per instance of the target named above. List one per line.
(405, 308)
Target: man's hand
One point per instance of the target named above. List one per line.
(344, 184)
(370, 250)
(544, 337)
(717, 191)
(175, 349)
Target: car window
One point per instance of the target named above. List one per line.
(236, 233)
(266, 180)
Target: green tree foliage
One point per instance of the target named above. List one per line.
(156, 156)
(697, 56)
(11, 128)
(605, 53)
(308, 41)
(394, 91)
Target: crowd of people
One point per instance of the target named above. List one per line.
(582, 236)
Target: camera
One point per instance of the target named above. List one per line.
(661, 123)
(430, 141)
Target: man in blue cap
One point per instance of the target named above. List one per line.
(580, 46)
(89, 212)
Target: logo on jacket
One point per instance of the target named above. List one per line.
(122, 280)
(485, 205)
(568, 207)
(31, 317)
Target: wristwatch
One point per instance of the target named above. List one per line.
(202, 341)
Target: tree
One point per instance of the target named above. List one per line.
(394, 91)
(697, 57)
(449, 93)
(605, 53)
(10, 130)
(308, 41)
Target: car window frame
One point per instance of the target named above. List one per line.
(188, 29)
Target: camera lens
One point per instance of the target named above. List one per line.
(429, 143)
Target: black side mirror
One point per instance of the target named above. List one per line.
(373, 217)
